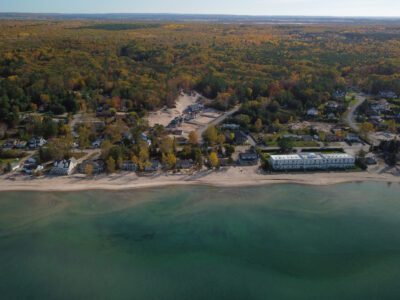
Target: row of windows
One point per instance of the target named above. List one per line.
(296, 162)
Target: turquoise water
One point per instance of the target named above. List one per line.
(272, 242)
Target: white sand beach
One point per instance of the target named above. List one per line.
(227, 177)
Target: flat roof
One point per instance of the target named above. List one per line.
(282, 157)
(310, 156)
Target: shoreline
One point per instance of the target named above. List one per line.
(229, 177)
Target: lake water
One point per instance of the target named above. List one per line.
(271, 242)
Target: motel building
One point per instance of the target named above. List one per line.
(312, 161)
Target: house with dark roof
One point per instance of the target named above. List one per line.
(248, 159)
(154, 166)
(388, 94)
(97, 165)
(240, 137)
(184, 164)
(64, 167)
(129, 165)
(36, 142)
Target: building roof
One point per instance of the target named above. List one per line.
(65, 163)
(286, 157)
(311, 156)
(248, 156)
(336, 155)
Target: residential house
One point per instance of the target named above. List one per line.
(37, 142)
(97, 143)
(332, 106)
(225, 161)
(370, 160)
(184, 164)
(230, 126)
(380, 106)
(307, 138)
(195, 108)
(240, 137)
(21, 144)
(339, 94)
(15, 166)
(31, 167)
(352, 138)
(332, 117)
(64, 167)
(178, 132)
(145, 138)
(10, 144)
(388, 94)
(332, 138)
(312, 112)
(293, 137)
(127, 135)
(154, 166)
(248, 159)
(176, 122)
(129, 166)
(98, 166)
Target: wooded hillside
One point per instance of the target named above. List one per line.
(66, 66)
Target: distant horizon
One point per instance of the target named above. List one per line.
(200, 14)
(257, 8)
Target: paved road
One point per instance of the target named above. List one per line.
(75, 120)
(350, 117)
(217, 121)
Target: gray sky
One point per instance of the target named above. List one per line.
(239, 7)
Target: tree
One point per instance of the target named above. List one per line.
(213, 159)
(110, 164)
(142, 159)
(221, 139)
(285, 145)
(49, 128)
(105, 149)
(211, 135)
(169, 160)
(197, 156)
(366, 128)
(83, 133)
(144, 154)
(258, 125)
(229, 150)
(361, 154)
(115, 131)
(193, 138)
(60, 148)
(167, 145)
(392, 127)
(89, 169)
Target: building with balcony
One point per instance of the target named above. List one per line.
(312, 161)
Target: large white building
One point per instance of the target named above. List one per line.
(312, 161)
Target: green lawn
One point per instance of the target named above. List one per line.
(305, 144)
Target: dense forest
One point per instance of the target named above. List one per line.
(275, 70)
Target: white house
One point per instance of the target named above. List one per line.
(64, 167)
(380, 106)
(312, 161)
(312, 112)
(37, 142)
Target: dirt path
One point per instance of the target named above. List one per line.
(350, 117)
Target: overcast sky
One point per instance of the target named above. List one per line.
(239, 7)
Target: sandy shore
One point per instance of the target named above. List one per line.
(228, 177)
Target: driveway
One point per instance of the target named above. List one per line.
(350, 117)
